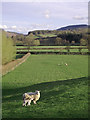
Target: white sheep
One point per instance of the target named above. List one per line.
(28, 97)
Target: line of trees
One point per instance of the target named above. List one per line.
(67, 37)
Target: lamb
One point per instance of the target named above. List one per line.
(29, 96)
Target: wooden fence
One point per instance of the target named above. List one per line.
(52, 50)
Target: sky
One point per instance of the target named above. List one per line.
(23, 17)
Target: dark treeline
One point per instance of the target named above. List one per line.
(53, 37)
(37, 32)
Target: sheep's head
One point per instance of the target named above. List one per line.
(37, 92)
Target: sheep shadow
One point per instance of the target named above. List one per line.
(46, 88)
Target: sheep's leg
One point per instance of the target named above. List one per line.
(25, 102)
(29, 101)
(34, 101)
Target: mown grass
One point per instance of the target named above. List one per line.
(64, 89)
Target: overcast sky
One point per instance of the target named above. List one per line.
(27, 16)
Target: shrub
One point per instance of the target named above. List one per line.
(8, 50)
(36, 42)
(83, 42)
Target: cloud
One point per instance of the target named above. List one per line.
(47, 14)
(45, 1)
(14, 27)
(3, 26)
(79, 17)
(40, 26)
(25, 30)
(8, 27)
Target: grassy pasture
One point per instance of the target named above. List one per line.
(64, 89)
(47, 35)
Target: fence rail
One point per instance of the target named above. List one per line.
(60, 50)
(52, 48)
(61, 53)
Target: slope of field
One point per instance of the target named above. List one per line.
(64, 88)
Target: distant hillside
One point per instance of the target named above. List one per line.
(10, 34)
(72, 27)
(72, 36)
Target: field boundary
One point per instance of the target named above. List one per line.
(60, 53)
(13, 64)
(79, 50)
(53, 48)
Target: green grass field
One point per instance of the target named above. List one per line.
(64, 89)
(47, 35)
